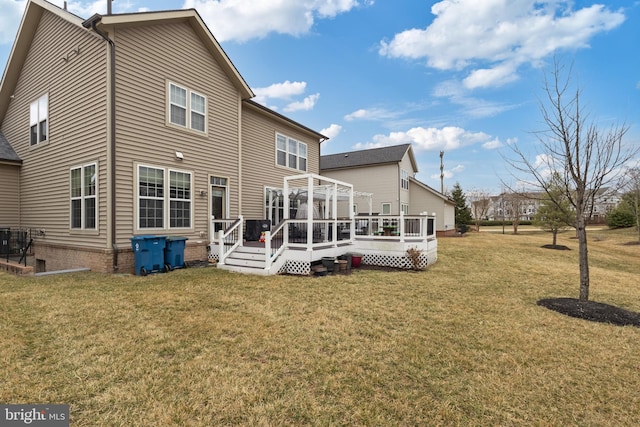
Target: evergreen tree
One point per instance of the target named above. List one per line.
(555, 213)
(463, 213)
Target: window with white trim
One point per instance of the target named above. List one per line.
(386, 209)
(83, 190)
(179, 199)
(404, 208)
(38, 120)
(404, 179)
(150, 197)
(291, 153)
(187, 108)
(157, 185)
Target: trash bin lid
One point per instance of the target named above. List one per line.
(177, 238)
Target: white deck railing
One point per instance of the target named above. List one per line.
(309, 234)
(402, 227)
(229, 236)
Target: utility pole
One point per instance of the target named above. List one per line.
(441, 173)
(109, 7)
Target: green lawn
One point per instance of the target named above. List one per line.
(462, 343)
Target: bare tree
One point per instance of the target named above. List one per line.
(514, 204)
(480, 203)
(585, 157)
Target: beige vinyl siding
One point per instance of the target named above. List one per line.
(383, 181)
(149, 57)
(423, 200)
(10, 198)
(259, 158)
(77, 126)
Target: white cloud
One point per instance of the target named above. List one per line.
(430, 139)
(284, 90)
(332, 131)
(493, 38)
(10, 19)
(492, 145)
(12, 11)
(242, 20)
(85, 9)
(375, 114)
(306, 104)
(471, 106)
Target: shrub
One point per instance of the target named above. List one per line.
(620, 218)
(414, 256)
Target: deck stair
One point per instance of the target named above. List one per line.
(246, 259)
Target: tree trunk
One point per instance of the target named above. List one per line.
(583, 257)
(555, 235)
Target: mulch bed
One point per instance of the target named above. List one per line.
(593, 311)
(556, 247)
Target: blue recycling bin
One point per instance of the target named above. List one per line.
(149, 254)
(174, 252)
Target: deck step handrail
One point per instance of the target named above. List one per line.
(229, 239)
(276, 241)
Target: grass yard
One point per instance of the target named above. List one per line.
(462, 343)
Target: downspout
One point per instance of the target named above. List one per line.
(91, 22)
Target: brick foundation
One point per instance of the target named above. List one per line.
(52, 257)
(15, 268)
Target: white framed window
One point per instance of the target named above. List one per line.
(187, 108)
(404, 179)
(84, 196)
(291, 153)
(150, 197)
(38, 120)
(386, 209)
(179, 199)
(165, 198)
(404, 208)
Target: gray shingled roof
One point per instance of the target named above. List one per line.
(373, 156)
(6, 151)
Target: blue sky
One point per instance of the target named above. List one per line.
(462, 76)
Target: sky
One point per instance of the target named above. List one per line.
(461, 76)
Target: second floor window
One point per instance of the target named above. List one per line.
(404, 179)
(187, 108)
(38, 120)
(291, 153)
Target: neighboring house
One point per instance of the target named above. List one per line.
(157, 136)
(389, 174)
(505, 205)
(605, 201)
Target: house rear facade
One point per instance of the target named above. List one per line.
(131, 124)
